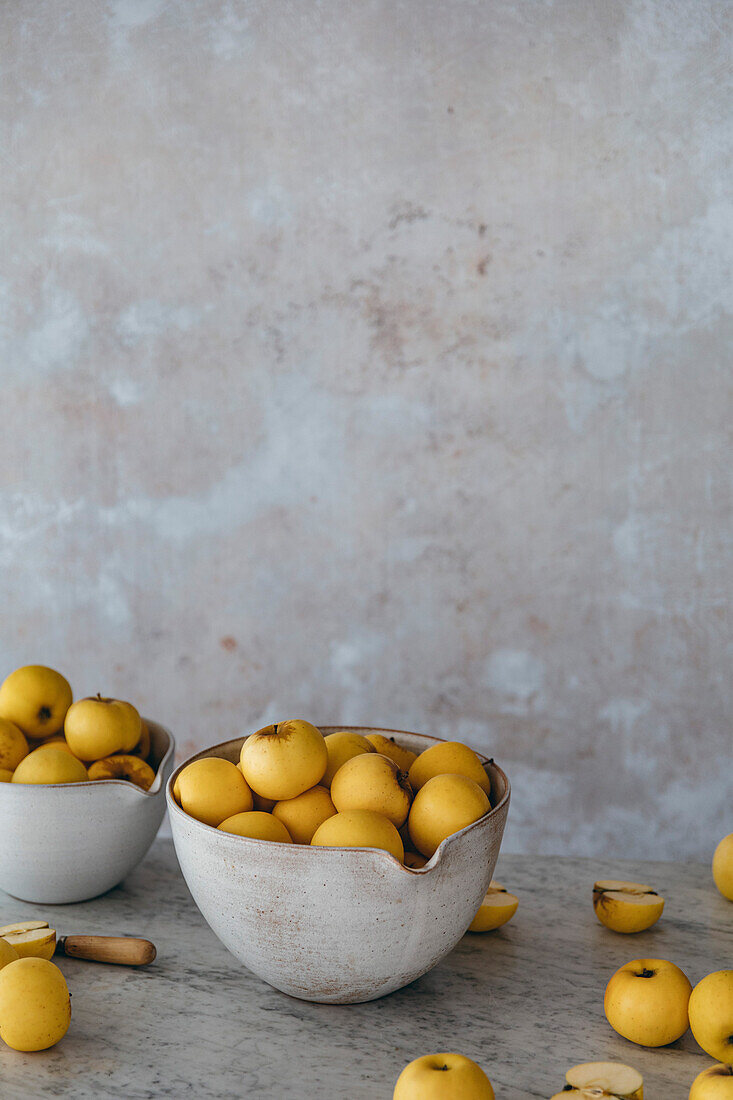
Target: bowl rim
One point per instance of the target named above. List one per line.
(435, 859)
(155, 788)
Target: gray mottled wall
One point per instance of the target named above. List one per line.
(365, 361)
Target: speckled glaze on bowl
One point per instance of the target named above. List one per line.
(72, 841)
(337, 925)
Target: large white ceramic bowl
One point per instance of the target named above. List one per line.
(72, 841)
(337, 925)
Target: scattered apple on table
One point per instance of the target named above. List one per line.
(626, 906)
(714, 1083)
(443, 1077)
(602, 1080)
(8, 953)
(646, 1002)
(35, 1007)
(497, 908)
(723, 867)
(711, 1015)
(30, 938)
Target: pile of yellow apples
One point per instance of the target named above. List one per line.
(35, 1005)
(293, 785)
(47, 738)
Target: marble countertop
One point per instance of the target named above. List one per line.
(526, 1002)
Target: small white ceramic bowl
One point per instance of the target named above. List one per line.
(337, 925)
(72, 841)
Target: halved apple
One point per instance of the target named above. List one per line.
(626, 906)
(31, 938)
(496, 909)
(612, 1080)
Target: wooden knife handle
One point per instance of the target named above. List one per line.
(124, 950)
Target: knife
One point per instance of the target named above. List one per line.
(122, 950)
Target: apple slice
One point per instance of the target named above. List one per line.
(496, 909)
(626, 906)
(609, 1079)
(22, 926)
(37, 943)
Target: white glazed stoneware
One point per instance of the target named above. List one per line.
(337, 925)
(72, 841)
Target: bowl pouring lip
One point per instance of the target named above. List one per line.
(155, 787)
(253, 842)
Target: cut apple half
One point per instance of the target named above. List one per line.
(22, 926)
(626, 906)
(37, 943)
(498, 907)
(605, 1080)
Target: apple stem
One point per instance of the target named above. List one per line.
(646, 973)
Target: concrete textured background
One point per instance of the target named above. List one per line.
(366, 362)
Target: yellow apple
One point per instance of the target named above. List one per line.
(414, 860)
(613, 1080)
(6, 776)
(8, 954)
(48, 764)
(723, 867)
(13, 745)
(283, 760)
(39, 943)
(443, 1077)
(58, 741)
(302, 815)
(35, 699)
(341, 746)
(371, 781)
(95, 728)
(714, 1083)
(626, 906)
(359, 829)
(123, 766)
(257, 826)
(387, 746)
(443, 806)
(35, 1008)
(448, 758)
(711, 1015)
(212, 790)
(646, 1002)
(496, 909)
